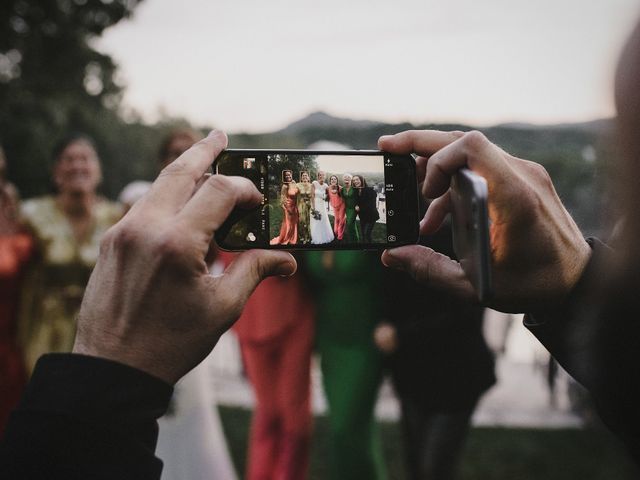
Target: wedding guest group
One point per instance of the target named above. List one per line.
(318, 213)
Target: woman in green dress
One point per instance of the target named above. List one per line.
(347, 286)
(350, 196)
(304, 208)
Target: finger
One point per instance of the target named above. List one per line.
(251, 267)
(214, 201)
(422, 142)
(421, 168)
(472, 150)
(436, 213)
(176, 183)
(431, 269)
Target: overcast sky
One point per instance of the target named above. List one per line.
(356, 164)
(245, 65)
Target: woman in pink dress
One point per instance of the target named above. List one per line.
(289, 200)
(337, 204)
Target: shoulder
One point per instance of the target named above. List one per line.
(35, 208)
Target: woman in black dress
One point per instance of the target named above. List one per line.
(366, 207)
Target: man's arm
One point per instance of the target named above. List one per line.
(85, 417)
(595, 336)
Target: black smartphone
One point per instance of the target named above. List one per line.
(470, 223)
(322, 200)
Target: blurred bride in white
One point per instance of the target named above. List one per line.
(191, 441)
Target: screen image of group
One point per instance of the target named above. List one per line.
(322, 199)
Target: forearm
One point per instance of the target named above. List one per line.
(85, 417)
(595, 336)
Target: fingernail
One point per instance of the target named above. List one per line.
(384, 138)
(285, 269)
(389, 259)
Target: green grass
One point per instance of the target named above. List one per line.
(490, 453)
(379, 234)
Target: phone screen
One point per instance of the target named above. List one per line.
(323, 200)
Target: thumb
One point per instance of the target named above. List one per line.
(430, 268)
(251, 267)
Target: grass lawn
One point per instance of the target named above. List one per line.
(379, 234)
(490, 454)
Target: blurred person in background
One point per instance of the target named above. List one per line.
(347, 286)
(15, 251)
(440, 365)
(275, 332)
(67, 228)
(191, 440)
(172, 145)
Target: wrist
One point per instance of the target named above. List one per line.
(130, 356)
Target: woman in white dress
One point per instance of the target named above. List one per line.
(321, 231)
(191, 440)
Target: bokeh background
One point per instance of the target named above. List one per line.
(535, 77)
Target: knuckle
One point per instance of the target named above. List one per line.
(168, 244)
(221, 183)
(122, 237)
(541, 173)
(108, 239)
(474, 140)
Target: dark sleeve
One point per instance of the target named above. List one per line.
(595, 336)
(84, 417)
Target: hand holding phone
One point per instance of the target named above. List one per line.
(537, 251)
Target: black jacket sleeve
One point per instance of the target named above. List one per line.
(595, 336)
(84, 417)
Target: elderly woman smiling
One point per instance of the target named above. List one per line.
(67, 228)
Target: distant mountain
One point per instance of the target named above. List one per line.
(597, 126)
(324, 120)
(320, 121)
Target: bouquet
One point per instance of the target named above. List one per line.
(316, 214)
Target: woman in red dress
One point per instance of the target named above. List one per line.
(15, 250)
(337, 204)
(275, 332)
(289, 200)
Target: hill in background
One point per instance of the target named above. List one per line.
(575, 155)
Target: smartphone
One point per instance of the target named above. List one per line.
(322, 200)
(470, 223)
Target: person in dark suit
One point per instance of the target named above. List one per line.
(366, 207)
(440, 366)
